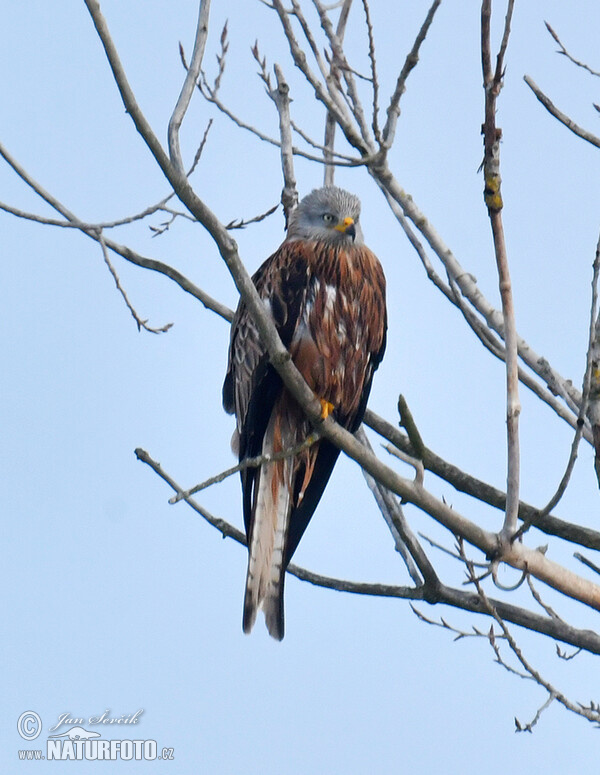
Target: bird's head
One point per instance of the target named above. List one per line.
(327, 214)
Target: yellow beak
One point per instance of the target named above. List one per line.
(344, 225)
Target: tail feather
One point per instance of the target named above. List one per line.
(273, 606)
(266, 570)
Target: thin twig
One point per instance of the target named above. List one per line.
(330, 123)
(374, 78)
(141, 324)
(281, 97)
(506, 587)
(405, 540)
(189, 84)
(327, 95)
(410, 460)
(460, 634)
(592, 715)
(565, 53)
(393, 111)
(587, 562)
(209, 95)
(558, 114)
(457, 598)
(408, 423)
(481, 490)
(585, 391)
(529, 726)
(241, 223)
(538, 599)
(249, 462)
(593, 410)
(91, 230)
(454, 554)
(328, 153)
(338, 57)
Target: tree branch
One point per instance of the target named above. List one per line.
(568, 531)
(280, 95)
(558, 114)
(458, 598)
(393, 111)
(492, 84)
(570, 57)
(188, 87)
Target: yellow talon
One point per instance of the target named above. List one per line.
(326, 408)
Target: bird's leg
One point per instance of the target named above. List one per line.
(326, 408)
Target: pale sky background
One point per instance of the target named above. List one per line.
(113, 599)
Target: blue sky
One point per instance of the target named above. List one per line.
(116, 600)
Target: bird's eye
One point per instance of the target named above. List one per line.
(329, 218)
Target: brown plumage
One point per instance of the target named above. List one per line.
(326, 292)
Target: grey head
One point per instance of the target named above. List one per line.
(327, 214)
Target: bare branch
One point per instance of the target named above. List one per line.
(189, 84)
(198, 154)
(327, 95)
(460, 634)
(280, 95)
(492, 84)
(558, 114)
(591, 714)
(393, 111)
(339, 64)
(585, 639)
(564, 51)
(593, 410)
(452, 553)
(407, 421)
(415, 462)
(538, 599)
(564, 656)
(587, 562)
(585, 392)
(374, 79)
(330, 123)
(483, 491)
(529, 726)
(325, 72)
(344, 161)
(91, 230)
(249, 462)
(467, 284)
(141, 324)
(241, 223)
(405, 540)
(328, 152)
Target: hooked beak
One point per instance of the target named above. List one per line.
(347, 227)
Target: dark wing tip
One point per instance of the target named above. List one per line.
(228, 400)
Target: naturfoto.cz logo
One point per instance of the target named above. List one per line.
(77, 742)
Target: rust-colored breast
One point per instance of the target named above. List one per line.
(339, 340)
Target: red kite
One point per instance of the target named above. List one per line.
(326, 292)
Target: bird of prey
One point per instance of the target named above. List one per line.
(326, 292)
